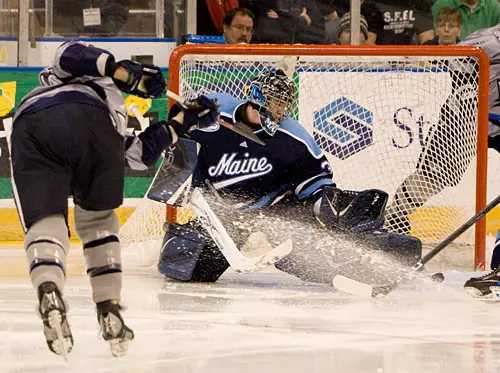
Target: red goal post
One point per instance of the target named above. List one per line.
(418, 72)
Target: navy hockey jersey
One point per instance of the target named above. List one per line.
(77, 75)
(290, 161)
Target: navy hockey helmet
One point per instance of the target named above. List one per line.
(272, 94)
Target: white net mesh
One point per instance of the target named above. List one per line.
(406, 125)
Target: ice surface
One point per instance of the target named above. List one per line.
(263, 322)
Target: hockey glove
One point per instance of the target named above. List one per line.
(200, 113)
(145, 80)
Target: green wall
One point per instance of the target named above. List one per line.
(15, 83)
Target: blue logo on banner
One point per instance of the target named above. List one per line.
(343, 128)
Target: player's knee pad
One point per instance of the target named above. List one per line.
(189, 254)
(47, 244)
(405, 249)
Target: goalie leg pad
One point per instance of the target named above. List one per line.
(307, 265)
(405, 249)
(372, 257)
(189, 254)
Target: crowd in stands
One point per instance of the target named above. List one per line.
(384, 22)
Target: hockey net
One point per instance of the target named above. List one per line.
(370, 109)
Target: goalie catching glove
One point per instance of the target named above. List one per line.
(200, 113)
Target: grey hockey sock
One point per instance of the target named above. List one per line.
(47, 244)
(98, 231)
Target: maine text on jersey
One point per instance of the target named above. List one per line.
(228, 165)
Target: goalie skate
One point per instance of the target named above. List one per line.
(113, 328)
(55, 324)
(486, 287)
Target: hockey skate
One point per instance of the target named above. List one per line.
(113, 328)
(55, 323)
(486, 287)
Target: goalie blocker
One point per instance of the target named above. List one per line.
(189, 254)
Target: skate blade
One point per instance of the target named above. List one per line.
(119, 347)
(492, 297)
(61, 345)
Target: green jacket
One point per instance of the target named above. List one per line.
(486, 14)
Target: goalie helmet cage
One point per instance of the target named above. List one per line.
(370, 108)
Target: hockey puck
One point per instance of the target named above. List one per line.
(437, 277)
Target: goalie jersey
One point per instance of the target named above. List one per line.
(290, 162)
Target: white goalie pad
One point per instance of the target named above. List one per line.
(226, 245)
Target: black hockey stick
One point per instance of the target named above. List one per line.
(348, 285)
(239, 127)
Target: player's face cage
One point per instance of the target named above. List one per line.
(273, 95)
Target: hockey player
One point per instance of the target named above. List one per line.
(68, 138)
(290, 177)
(438, 166)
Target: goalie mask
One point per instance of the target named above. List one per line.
(272, 94)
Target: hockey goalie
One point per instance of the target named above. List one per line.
(284, 189)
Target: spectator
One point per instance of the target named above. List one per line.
(476, 14)
(329, 11)
(336, 8)
(238, 26)
(289, 21)
(343, 32)
(333, 10)
(449, 25)
(204, 23)
(398, 22)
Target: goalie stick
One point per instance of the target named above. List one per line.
(239, 127)
(351, 286)
(235, 258)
